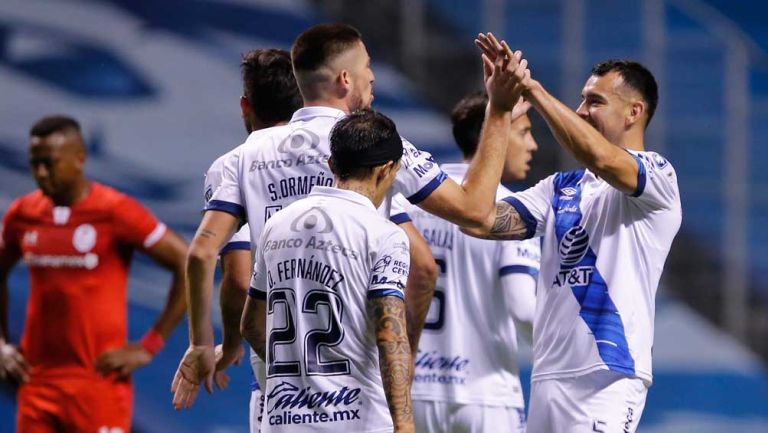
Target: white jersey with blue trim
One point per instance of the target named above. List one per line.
(468, 349)
(602, 257)
(279, 165)
(241, 240)
(318, 263)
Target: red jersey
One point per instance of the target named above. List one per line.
(78, 259)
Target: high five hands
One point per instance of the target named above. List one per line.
(505, 74)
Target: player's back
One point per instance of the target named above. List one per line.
(279, 165)
(468, 349)
(78, 259)
(317, 258)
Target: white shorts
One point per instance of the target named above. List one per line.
(255, 411)
(445, 417)
(256, 406)
(602, 401)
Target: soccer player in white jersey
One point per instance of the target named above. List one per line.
(467, 375)
(279, 165)
(326, 306)
(270, 96)
(607, 231)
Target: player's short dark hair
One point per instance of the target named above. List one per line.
(637, 77)
(54, 123)
(355, 138)
(467, 118)
(269, 85)
(317, 46)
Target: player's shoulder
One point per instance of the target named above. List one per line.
(218, 164)
(654, 160)
(107, 199)
(28, 205)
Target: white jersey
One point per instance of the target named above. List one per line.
(468, 349)
(602, 256)
(279, 165)
(318, 263)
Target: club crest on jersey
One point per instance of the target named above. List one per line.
(659, 160)
(573, 246)
(84, 238)
(314, 219)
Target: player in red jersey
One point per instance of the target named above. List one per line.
(76, 237)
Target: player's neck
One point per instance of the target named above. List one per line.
(338, 104)
(633, 140)
(364, 188)
(78, 192)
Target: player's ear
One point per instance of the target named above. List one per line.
(245, 107)
(332, 165)
(345, 79)
(636, 110)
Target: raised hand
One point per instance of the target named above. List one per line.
(196, 367)
(492, 50)
(500, 83)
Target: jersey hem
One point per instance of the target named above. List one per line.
(644, 376)
(237, 245)
(470, 402)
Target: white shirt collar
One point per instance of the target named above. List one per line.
(345, 194)
(308, 113)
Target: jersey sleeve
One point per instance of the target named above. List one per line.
(399, 213)
(656, 182)
(520, 257)
(211, 183)
(135, 224)
(9, 235)
(390, 270)
(533, 205)
(228, 196)
(419, 174)
(241, 240)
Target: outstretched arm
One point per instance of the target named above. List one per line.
(388, 314)
(504, 224)
(471, 203)
(609, 161)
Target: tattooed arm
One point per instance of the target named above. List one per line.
(197, 364)
(504, 224)
(388, 314)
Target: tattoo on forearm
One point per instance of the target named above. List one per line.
(508, 223)
(205, 233)
(395, 360)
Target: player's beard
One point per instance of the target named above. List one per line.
(358, 103)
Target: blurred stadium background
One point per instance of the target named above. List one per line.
(156, 86)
